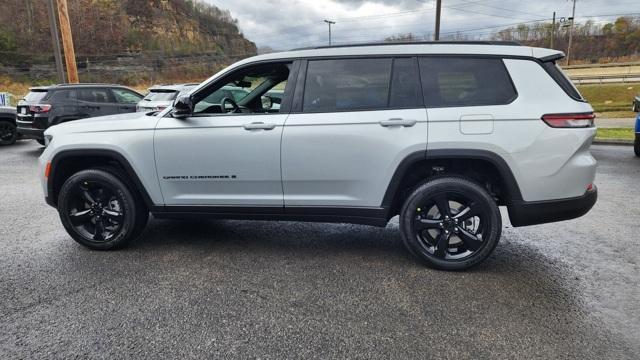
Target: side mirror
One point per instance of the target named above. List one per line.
(267, 102)
(182, 107)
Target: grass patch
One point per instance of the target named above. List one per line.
(615, 133)
(616, 114)
(613, 98)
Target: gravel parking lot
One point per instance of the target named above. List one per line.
(222, 289)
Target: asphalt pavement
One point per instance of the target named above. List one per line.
(272, 290)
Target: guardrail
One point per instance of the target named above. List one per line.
(600, 79)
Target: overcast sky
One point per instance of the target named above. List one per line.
(284, 24)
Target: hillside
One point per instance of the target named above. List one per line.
(185, 36)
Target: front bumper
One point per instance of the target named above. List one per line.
(523, 213)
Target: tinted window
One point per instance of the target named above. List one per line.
(558, 75)
(63, 95)
(124, 96)
(448, 81)
(349, 84)
(94, 95)
(404, 84)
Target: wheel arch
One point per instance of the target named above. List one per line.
(67, 162)
(419, 166)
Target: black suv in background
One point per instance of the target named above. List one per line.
(50, 105)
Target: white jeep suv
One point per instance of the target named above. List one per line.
(441, 134)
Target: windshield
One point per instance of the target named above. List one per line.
(161, 95)
(35, 95)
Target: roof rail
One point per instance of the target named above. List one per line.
(506, 43)
(89, 84)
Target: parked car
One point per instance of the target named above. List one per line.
(636, 143)
(636, 104)
(441, 134)
(46, 106)
(162, 96)
(8, 132)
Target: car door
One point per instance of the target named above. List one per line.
(126, 100)
(96, 101)
(350, 128)
(223, 159)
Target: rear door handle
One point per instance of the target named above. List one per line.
(398, 122)
(259, 126)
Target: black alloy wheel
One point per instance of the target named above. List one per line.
(99, 210)
(450, 223)
(8, 133)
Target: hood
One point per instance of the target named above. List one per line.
(109, 123)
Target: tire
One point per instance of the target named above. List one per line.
(8, 133)
(636, 146)
(40, 141)
(467, 233)
(101, 210)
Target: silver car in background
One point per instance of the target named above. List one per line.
(162, 96)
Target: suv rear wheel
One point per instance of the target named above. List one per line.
(8, 133)
(99, 210)
(450, 223)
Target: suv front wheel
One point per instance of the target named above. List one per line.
(99, 210)
(450, 223)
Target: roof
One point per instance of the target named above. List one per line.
(66, 86)
(421, 48)
(457, 48)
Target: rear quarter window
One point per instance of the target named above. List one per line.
(562, 80)
(451, 81)
(35, 96)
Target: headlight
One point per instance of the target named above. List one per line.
(47, 140)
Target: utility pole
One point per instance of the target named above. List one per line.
(553, 30)
(55, 40)
(573, 20)
(67, 42)
(329, 22)
(438, 10)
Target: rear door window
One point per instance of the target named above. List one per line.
(95, 95)
(347, 84)
(456, 81)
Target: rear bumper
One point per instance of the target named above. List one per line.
(523, 213)
(30, 133)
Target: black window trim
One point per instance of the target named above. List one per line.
(513, 85)
(549, 65)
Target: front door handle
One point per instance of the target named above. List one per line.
(259, 126)
(398, 122)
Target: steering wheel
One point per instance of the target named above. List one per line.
(236, 108)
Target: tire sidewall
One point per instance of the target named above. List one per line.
(458, 185)
(122, 192)
(15, 134)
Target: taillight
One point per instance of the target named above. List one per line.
(161, 107)
(47, 170)
(40, 108)
(579, 120)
